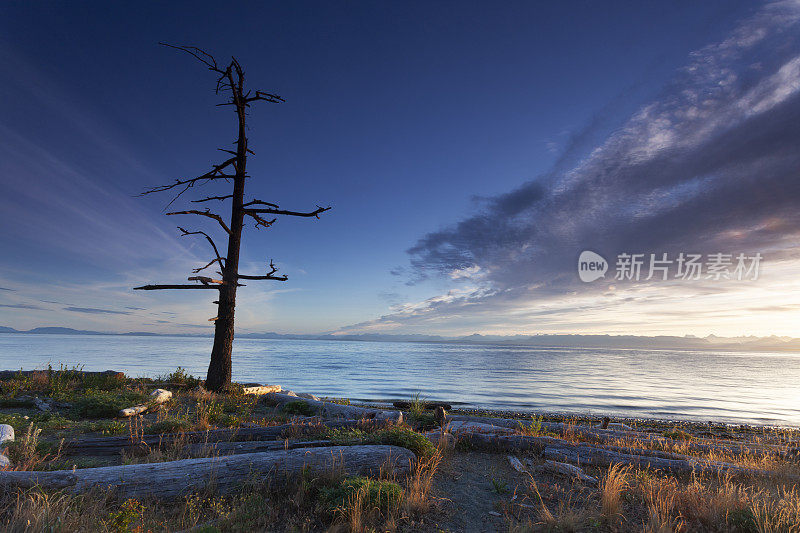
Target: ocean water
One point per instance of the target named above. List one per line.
(733, 387)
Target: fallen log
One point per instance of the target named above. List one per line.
(601, 436)
(258, 390)
(425, 405)
(225, 474)
(584, 454)
(115, 445)
(554, 467)
(157, 397)
(42, 405)
(335, 410)
(233, 448)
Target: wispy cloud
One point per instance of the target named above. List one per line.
(710, 166)
(95, 311)
(21, 306)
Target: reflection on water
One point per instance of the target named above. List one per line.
(699, 385)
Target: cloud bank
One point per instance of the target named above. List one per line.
(711, 166)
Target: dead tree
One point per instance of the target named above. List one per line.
(230, 82)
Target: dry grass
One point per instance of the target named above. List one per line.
(417, 497)
(612, 486)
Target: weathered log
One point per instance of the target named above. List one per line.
(566, 470)
(583, 454)
(402, 404)
(586, 455)
(501, 443)
(233, 448)
(334, 410)
(42, 405)
(157, 397)
(609, 435)
(308, 396)
(225, 474)
(552, 466)
(115, 445)
(258, 390)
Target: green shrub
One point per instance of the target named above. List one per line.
(377, 494)
(179, 376)
(405, 438)
(423, 421)
(104, 404)
(299, 407)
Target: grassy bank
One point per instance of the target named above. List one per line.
(452, 487)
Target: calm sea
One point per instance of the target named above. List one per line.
(754, 388)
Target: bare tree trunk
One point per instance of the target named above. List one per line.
(219, 369)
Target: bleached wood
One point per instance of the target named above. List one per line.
(261, 389)
(157, 397)
(225, 474)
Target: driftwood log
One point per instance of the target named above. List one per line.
(157, 397)
(603, 436)
(562, 451)
(334, 410)
(115, 445)
(402, 404)
(211, 449)
(225, 474)
(258, 390)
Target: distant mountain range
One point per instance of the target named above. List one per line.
(662, 342)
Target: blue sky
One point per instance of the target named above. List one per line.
(468, 149)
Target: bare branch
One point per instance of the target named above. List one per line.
(208, 199)
(267, 97)
(259, 202)
(219, 259)
(269, 274)
(314, 213)
(214, 174)
(163, 287)
(261, 221)
(199, 54)
(206, 280)
(205, 213)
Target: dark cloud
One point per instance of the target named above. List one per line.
(7, 289)
(95, 311)
(711, 166)
(137, 308)
(20, 306)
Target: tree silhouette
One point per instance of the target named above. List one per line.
(230, 80)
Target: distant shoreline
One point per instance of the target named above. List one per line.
(616, 342)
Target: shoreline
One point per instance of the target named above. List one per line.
(578, 417)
